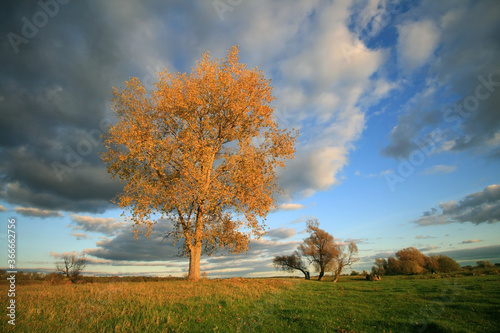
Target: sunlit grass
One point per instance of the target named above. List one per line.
(395, 304)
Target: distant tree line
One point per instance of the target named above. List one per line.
(319, 250)
(410, 261)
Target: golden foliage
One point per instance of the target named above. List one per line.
(202, 149)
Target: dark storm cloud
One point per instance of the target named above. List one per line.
(470, 256)
(462, 100)
(125, 247)
(477, 208)
(54, 86)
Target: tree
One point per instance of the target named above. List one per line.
(411, 260)
(343, 260)
(319, 248)
(432, 264)
(292, 262)
(484, 264)
(201, 149)
(446, 264)
(393, 266)
(72, 266)
(380, 266)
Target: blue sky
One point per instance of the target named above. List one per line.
(397, 104)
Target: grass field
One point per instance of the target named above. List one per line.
(395, 304)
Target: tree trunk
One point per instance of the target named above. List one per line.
(195, 249)
(306, 274)
(194, 262)
(337, 272)
(321, 273)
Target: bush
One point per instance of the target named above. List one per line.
(373, 277)
(484, 264)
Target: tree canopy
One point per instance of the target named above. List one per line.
(201, 149)
(289, 263)
(319, 248)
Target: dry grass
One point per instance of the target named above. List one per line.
(139, 306)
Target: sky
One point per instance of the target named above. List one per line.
(397, 103)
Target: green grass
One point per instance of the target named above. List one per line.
(395, 304)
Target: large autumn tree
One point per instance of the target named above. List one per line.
(201, 149)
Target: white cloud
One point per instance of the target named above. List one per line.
(36, 212)
(327, 84)
(439, 169)
(108, 226)
(471, 241)
(79, 235)
(281, 233)
(416, 43)
(291, 206)
(423, 237)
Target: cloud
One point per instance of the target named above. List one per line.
(108, 226)
(428, 248)
(471, 241)
(54, 96)
(459, 97)
(439, 169)
(125, 247)
(57, 255)
(423, 237)
(281, 233)
(35, 212)
(479, 207)
(357, 241)
(291, 206)
(3, 209)
(416, 43)
(79, 235)
(124, 250)
(470, 256)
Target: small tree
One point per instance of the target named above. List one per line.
(344, 259)
(290, 263)
(319, 248)
(484, 264)
(72, 267)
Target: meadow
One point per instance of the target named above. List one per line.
(395, 304)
